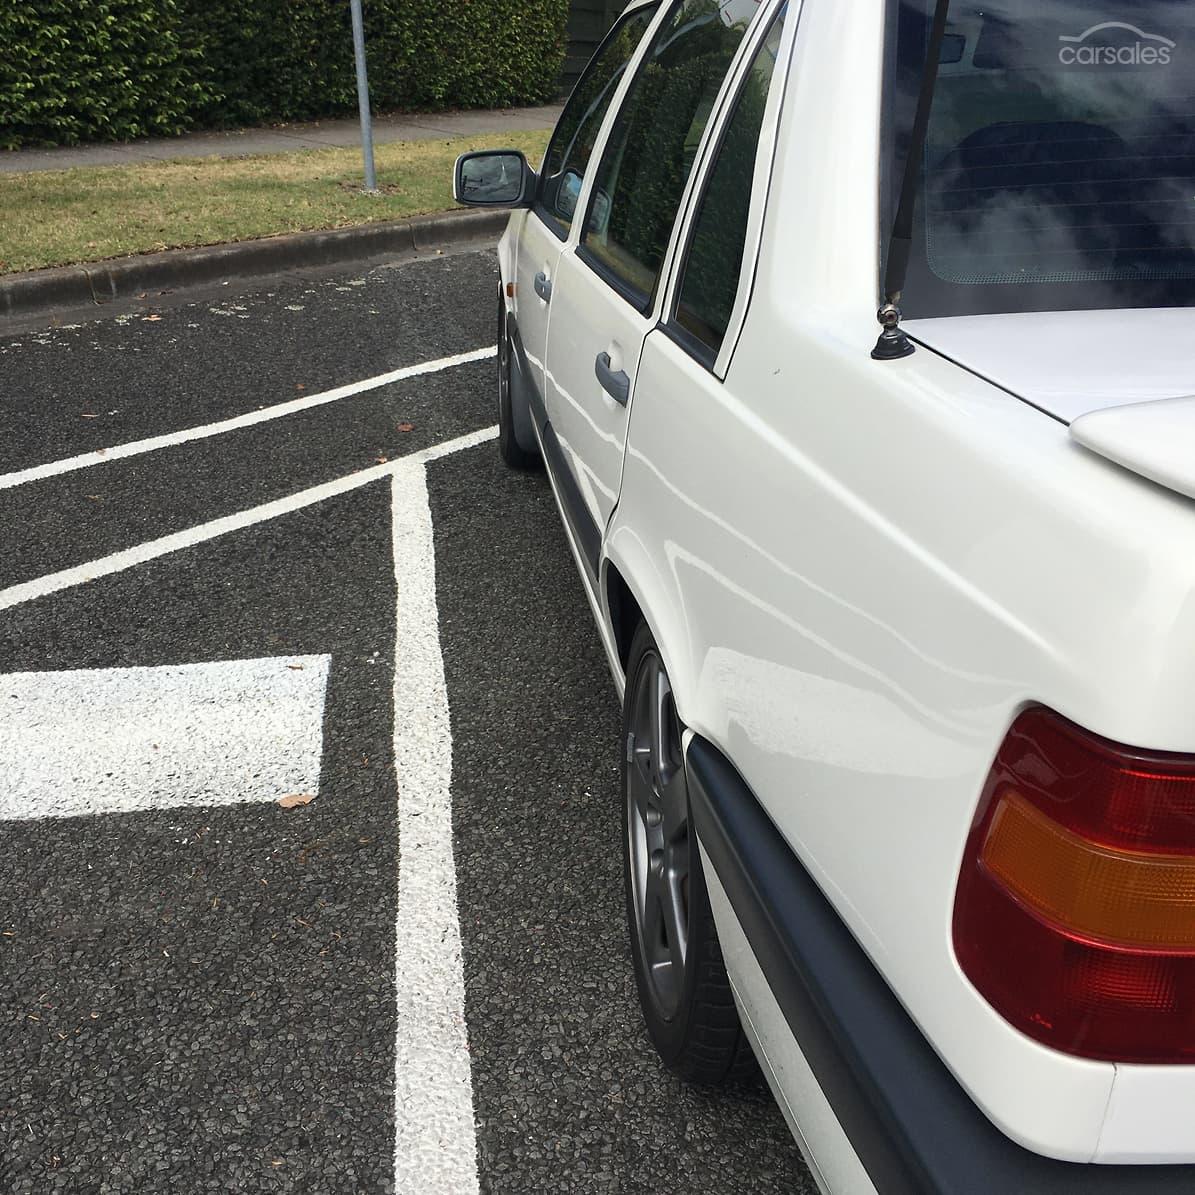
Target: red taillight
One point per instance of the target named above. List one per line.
(1075, 913)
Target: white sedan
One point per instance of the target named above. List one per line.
(903, 617)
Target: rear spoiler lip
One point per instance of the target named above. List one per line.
(1153, 439)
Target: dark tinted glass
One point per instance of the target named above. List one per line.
(655, 137)
(715, 258)
(1060, 168)
(572, 143)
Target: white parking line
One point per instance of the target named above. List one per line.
(435, 1149)
(114, 740)
(435, 1136)
(118, 452)
(28, 591)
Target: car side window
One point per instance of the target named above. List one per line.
(572, 143)
(654, 141)
(714, 261)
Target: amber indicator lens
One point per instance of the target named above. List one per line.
(1120, 898)
(1075, 910)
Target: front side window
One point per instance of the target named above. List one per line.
(1059, 171)
(572, 143)
(654, 141)
(714, 262)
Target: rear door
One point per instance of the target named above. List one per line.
(562, 176)
(605, 292)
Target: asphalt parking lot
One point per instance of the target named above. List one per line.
(258, 544)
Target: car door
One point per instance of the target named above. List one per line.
(546, 227)
(604, 295)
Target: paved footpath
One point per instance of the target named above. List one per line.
(319, 134)
(309, 874)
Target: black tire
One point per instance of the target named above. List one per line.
(509, 448)
(683, 987)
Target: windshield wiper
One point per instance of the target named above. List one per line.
(893, 343)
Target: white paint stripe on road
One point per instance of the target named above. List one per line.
(435, 1148)
(29, 591)
(118, 452)
(114, 740)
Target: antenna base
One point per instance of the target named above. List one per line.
(893, 343)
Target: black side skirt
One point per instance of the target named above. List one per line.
(914, 1128)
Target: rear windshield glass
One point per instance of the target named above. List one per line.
(1059, 171)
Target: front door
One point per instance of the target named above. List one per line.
(604, 295)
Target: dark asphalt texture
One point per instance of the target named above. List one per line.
(94, 512)
(203, 1001)
(233, 353)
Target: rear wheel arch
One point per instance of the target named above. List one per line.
(634, 591)
(624, 611)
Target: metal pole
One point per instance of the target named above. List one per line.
(371, 178)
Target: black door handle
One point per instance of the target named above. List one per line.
(616, 385)
(543, 287)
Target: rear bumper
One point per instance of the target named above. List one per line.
(913, 1127)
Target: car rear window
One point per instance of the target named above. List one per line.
(1059, 171)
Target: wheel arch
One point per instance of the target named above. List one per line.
(623, 611)
(522, 385)
(633, 590)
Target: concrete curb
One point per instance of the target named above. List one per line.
(121, 278)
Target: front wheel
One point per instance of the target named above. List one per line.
(683, 987)
(508, 445)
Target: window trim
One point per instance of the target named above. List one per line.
(761, 184)
(695, 348)
(539, 208)
(655, 302)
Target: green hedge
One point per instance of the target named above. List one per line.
(91, 70)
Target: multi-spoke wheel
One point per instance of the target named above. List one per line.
(512, 452)
(686, 997)
(658, 835)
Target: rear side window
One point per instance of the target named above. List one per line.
(654, 141)
(714, 263)
(572, 143)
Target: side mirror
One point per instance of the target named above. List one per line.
(493, 178)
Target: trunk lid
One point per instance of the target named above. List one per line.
(1124, 381)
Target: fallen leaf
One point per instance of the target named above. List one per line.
(406, 427)
(381, 460)
(300, 386)
(293, 799)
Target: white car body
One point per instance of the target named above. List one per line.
(859, 573)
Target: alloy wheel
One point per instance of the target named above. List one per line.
(658, 834)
